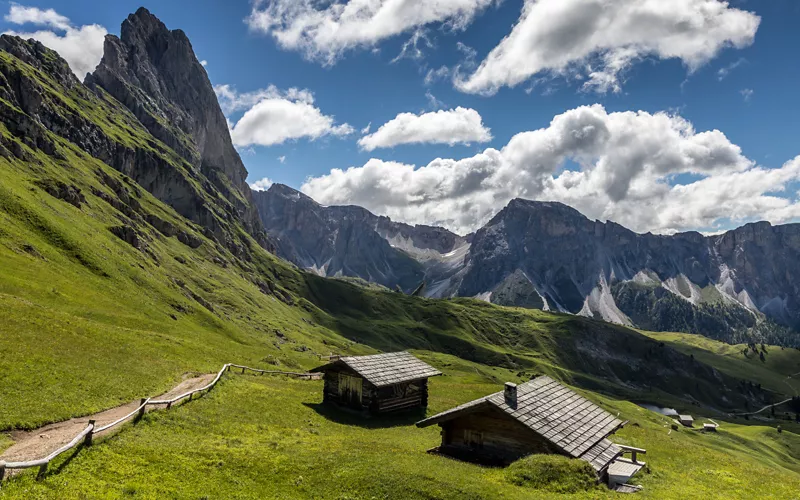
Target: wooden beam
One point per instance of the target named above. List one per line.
(633, 451)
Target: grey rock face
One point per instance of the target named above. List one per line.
(725, 282)
(333, 241)
(351, 241)
(735, 287)
(154, 72)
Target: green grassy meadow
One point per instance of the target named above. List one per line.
(780, 369)
(270, 437)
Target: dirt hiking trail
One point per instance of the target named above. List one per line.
(38, 443)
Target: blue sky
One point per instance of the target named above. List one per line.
(755, 106)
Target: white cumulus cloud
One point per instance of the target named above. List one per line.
(81, 47)
(324, 31)
(598, 40)
(273, 116)
(649, 172)
(261, 184)
(454, 126)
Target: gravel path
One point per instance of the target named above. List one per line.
(38, 443)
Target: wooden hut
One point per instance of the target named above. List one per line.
(378, 383)
(686, 420)
(540, 416)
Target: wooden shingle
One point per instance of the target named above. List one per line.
(388, 369)
(568, 420)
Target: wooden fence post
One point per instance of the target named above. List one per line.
(141, 410)
(90, 435)
(243, 370)
(42, 471)
(2, 470)
(169, 405)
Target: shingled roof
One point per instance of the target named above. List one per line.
(386, 369)
(571, 422)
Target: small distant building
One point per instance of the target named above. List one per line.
(539, 416)
(378, 383)
(686, 420)
(709, 427)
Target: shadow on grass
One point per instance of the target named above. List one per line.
(347, 416)
(50, 471)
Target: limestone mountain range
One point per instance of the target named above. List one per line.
(549, 256)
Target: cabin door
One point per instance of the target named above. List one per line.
(350, 389)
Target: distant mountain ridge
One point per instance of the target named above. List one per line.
(350, 240)
(736, 286)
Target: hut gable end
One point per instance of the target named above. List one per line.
(570, 423)
(385, 382)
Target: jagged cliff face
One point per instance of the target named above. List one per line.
(154, 72)
(351, 241)
(722, 286)
(736, 286)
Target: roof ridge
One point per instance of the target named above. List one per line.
(390, 368)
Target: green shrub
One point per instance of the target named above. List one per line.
(552, 473)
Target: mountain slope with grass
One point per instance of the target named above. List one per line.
(739, 286)
(124, 266)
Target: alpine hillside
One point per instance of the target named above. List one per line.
(133, 256)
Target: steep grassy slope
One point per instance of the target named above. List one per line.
(778, 369)
(261, 437)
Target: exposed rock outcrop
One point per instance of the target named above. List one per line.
(335, 241)
(717, 285)
(154, 72)
(62, 191)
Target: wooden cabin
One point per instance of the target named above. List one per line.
(539, 416)
(686, 420)
(378, 383)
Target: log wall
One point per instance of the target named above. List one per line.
(492, 436)
(376, 400)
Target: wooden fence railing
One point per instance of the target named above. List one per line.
(86, 435)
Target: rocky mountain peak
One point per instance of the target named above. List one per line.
(284, 191)
(143, 22)
(154, 72)
(519, 207)
(546, 218)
